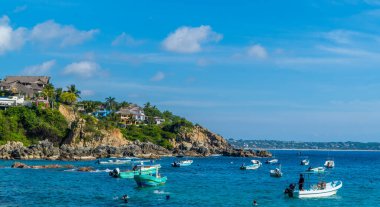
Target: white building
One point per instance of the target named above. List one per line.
(11, 101)
(132, 114)
(159, 120)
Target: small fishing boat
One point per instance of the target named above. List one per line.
(329, 164)
(257, 162)
(276, 172)
(113, 162)
(322, 189)
(316, 170)
(182, 163)
(305, 162)
(255, 165)
(271, 161)
(149, 180)
(116, 173)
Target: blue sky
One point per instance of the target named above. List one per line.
(287, 70)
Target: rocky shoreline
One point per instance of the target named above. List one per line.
(46, 150)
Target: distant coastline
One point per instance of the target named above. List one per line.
(311, 146)
(342, 150)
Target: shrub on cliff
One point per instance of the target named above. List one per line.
(151, 133)
(29, 125)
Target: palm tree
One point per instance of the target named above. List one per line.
(58, 93)
(110, 101)
(72, 89)
(49, 93)
(68, 98)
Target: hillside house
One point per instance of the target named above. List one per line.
(158, 120)
(132, 114)
(27, 86)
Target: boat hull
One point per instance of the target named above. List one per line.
(182, 163)
(275, 174)
(249, 167)
(131, 174)
(332, 189)
(149, 180)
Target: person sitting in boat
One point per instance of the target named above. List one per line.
(309, 169)
(301, 181)
(134, 168)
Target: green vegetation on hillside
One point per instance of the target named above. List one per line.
(29, 125)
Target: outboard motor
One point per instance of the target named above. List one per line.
(115, 173)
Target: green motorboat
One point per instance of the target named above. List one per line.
(149, 180)
(140, 169)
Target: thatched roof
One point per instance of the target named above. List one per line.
(27, 79)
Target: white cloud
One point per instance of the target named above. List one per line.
(190, 39)
(84, 69)
(158, 77)
(65, 35)
(340, 36)
(10, 39)
(126, 39)
(41, 69)
(257, 51)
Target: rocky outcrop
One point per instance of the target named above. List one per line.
(54, 166)
(16, 150)
(246, 153)
(46, 150)
(199, 141)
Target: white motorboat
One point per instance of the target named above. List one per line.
(113, 162)
(182, 163)
(305, 162)
(276, 173)
(272, 161)
(255, 165)
(322, 189)
(316, 170)
(249, 167)
(257, 162)
(329, 164)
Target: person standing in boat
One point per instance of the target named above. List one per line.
(301, 181)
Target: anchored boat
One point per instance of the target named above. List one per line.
(272, 161)
(305, 162)
(182, 163)
(113, 162)
(276, 173)
(139, 169)
(316, 170)
(322, 189)
(255, 165)
(149, 180)
(329, 164)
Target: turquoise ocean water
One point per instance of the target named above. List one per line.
(213, 181)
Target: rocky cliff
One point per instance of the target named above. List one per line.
(82, 143)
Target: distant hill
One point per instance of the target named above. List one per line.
(275, 144)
